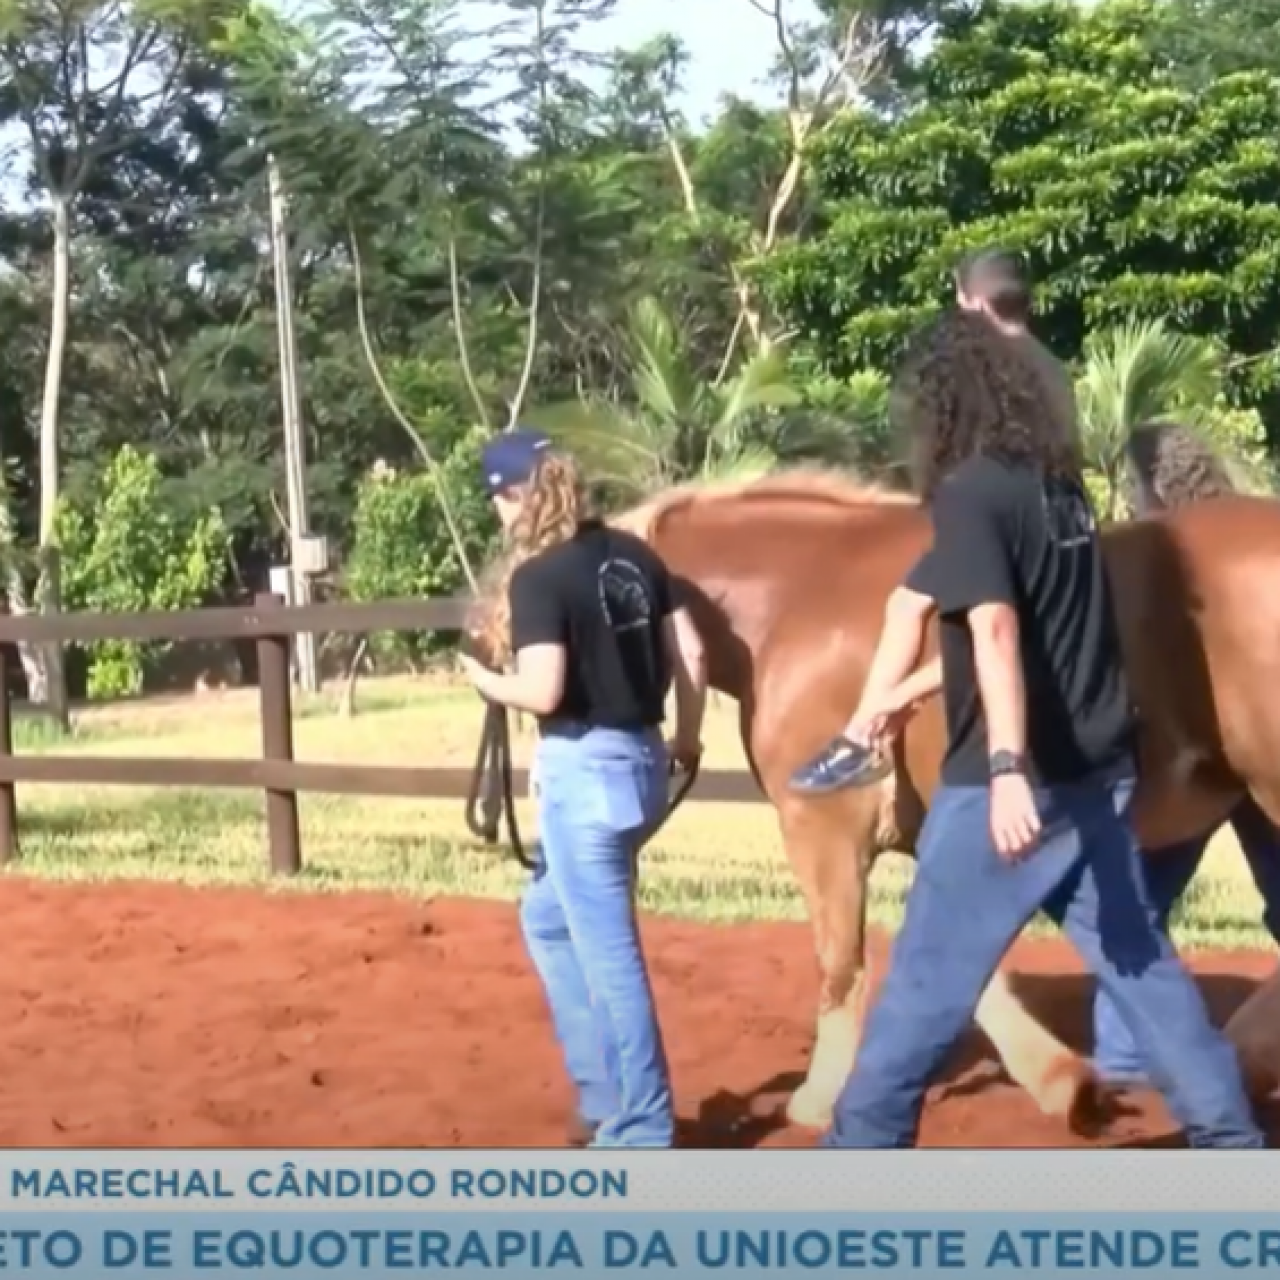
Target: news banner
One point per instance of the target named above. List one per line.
(686, 1213)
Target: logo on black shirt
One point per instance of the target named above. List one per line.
(623, 590)
(1068, 517)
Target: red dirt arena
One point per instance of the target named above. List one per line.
(142, 1015)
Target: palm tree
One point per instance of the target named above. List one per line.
(676, 424)
(1138, 372)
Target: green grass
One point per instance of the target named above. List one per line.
(714, 862)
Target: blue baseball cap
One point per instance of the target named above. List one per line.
(511, 458)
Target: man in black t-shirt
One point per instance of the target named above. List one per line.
(1033, 810)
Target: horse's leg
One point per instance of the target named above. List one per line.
(1062, 1084)
(830, 844)
(1254, 1029)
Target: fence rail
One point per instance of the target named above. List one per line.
(271, 624)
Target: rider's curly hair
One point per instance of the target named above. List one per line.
(968, 389)
(555, 506)
(1171, 466)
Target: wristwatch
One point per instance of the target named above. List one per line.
(1001, 763)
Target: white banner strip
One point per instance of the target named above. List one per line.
(619, 1183)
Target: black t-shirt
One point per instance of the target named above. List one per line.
(604, 595)
(1007, 535)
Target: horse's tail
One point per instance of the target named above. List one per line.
(1171, 466)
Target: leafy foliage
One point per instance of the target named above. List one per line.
(519, 198)
(400, 547)
(127, 551)
(1054, 130)
(673, 423)
(1137, 373)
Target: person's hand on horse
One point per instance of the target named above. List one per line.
(877, 724)
(1015, 817)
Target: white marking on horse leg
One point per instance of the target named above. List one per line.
(835, 1050)
(846, 979)
(1059, 1081)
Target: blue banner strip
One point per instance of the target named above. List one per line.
(397, 1242)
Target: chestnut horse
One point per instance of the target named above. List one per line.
(788, 577)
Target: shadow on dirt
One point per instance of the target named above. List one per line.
(1063, 1002)
(737, 1121)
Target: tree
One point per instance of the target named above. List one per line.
(84, 79)
(820, 67)
(1204, 39)
(675, 424)
(1136, 373)
(1055, 130)
(129, 550)
(402, 549)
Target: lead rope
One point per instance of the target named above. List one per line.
(491, 795)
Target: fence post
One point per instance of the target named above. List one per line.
(8, 790)
(283, 834)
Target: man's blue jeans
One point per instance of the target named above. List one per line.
(602, 793)
(966, 907)
(1169, 872)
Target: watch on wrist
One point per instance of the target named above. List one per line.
(1003, 763)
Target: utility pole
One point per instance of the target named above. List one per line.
(291, 411)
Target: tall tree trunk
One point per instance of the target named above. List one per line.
(48, 589)
(15, 590)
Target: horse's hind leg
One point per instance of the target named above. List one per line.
(1254, 1030)
(1062, 1084)
(830, 844)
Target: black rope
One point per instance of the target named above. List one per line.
(491, 796)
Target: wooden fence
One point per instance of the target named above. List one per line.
(270, 624)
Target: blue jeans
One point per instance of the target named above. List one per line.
(966, 907)
(1168, 875)
(601, 795)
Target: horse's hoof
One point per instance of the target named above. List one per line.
(1071, 1091)
(807, 1108)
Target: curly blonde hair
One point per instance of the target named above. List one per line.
(1172, 466)
(555, 505)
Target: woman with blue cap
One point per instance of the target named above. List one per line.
(588, 614)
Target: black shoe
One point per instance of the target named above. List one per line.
(841, 764)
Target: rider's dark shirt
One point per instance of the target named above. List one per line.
(1008, 535)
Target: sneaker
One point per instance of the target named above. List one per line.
(842, 763)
